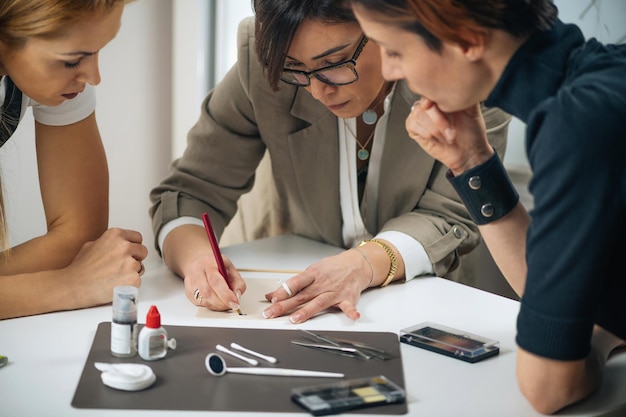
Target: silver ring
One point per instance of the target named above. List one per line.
(196, 295)
(142, 269)
(287, 289)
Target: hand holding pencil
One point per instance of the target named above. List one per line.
(198, 293)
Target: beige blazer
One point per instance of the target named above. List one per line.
(242, 118)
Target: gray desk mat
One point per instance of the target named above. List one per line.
(183, 383)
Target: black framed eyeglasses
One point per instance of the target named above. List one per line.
(341, 73)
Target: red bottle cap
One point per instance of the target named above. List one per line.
(153, 320)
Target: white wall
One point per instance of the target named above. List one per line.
(190, 46)
(134, 111)
(190, 62)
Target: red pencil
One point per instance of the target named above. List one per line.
(216, 249)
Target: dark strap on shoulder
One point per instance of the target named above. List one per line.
(10, 112)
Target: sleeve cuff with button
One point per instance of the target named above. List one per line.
(414, 256)
(486, 191)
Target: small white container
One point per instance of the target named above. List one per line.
(153, 341)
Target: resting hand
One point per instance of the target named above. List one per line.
(336, 281)
(205, 286)
(458, 140)
(111, 260)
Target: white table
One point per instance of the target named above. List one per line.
(47, 352)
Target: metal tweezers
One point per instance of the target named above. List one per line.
(343, 347)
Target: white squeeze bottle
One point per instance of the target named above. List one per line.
(153, 341)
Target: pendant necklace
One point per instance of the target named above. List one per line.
(369, 117)
(362, 153)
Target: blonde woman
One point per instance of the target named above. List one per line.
(49, 61)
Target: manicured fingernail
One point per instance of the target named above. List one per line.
(295, 318)
(267, 314)
(233, 305)
(274, 300)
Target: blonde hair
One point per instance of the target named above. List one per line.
(47, 19)
(23, 19)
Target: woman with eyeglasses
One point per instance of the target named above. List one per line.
(307, 88)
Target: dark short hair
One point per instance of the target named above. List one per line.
(277, 22)
(448, 20)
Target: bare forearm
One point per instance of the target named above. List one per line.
(550, 385)
(36, 293)
(184, 244)
(73, 180)
(506, 240)
(52, 251)
(111, 260)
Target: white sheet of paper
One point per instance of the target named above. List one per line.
(252, 302)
